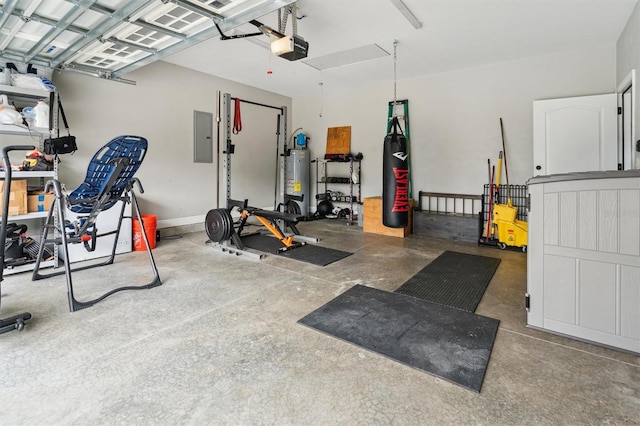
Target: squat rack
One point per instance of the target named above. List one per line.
(229, 148)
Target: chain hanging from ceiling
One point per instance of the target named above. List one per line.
(395, 71)
(321, 84)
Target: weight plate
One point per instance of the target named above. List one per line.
(293, 207)
(229, 219)
(217, 224)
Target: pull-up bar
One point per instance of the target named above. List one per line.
(258, 104)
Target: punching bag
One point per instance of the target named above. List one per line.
(395, 179)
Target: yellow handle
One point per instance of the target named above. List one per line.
(499, 170)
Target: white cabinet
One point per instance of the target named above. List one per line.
(21, 135)
(583, 272)
(107, 221)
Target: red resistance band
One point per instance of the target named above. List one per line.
(237, 119)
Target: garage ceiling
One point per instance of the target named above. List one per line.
(350, 42)
(109, 38)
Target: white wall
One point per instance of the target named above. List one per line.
(160, 108)
(628, 58)
(454, 117)
(454, 126)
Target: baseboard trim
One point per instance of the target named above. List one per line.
(180, 221)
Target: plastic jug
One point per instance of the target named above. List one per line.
(10, 116)
(8, 113)
(41, 111)
(4, 102)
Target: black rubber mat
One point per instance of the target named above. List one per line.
(309, 253)
(453, 279)
(446, 342)
(262, 243)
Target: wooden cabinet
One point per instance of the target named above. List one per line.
(373, 219)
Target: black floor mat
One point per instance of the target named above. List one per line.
(447, 342)
(309, 253)
(453, 279)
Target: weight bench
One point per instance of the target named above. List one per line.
(220, 227)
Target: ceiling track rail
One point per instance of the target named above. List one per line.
(97, 72)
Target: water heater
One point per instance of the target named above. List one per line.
(298, 177)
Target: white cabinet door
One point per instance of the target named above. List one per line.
(105, 222)
(575, 134)
(583, 257)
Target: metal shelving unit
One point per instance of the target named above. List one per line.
(36, 136)
(350, 183)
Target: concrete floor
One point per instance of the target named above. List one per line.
(218, 343)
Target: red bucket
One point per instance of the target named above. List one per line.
(150, 223)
